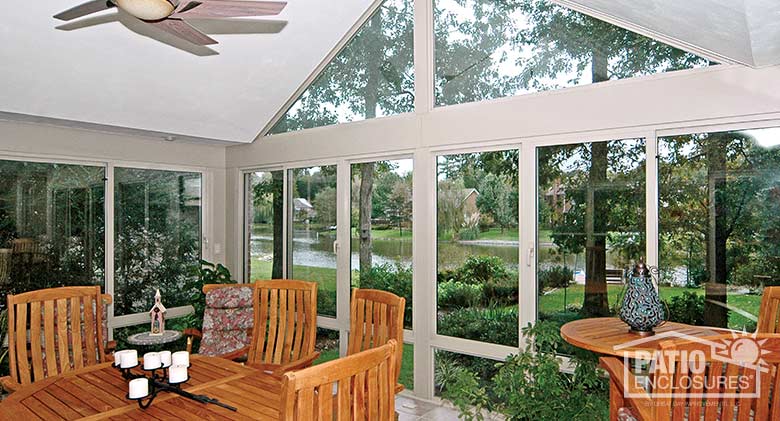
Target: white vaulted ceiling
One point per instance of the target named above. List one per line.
(107, 70)
(736, 31)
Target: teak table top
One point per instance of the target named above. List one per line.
(610, 336)
(98, 393)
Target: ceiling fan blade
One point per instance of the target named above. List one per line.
(84, 9)
(183, 30)
(230, 9)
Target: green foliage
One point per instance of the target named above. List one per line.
(454, 294)
(530, 385)
(396, 279)
(687, 308)
(554, 277)
(3, 334)
(496, 325)
(495, 200)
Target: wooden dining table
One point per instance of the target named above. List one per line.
(611, 336)
(99, 392)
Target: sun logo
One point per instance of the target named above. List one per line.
(745, 350)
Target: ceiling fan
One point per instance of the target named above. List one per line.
(168, 15)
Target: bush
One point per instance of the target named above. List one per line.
(555, 277)
(531, 386)
(496, 325)
(396, 279)
(454, 294)
(687, 308)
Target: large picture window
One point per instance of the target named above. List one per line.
(490, 49)
(51, 226)
(157, 238)
(719, 200)
(264, 246)
(477, 246)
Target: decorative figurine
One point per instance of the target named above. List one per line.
(642, 309)
(157, 313)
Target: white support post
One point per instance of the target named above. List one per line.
(528, 245)
(424, 56)
(651, 199)
(109, 245)
(424, 270)
(343, 252)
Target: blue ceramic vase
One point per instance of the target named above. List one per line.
(641, 309)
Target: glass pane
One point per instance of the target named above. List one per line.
(379, 62)
(590, 226)
(51, 226)
(313, 209)
(719, 243)
(490, 49)
(264, 224)
(327, 345)
(477, 246)
(158, 238)
(382, 228)
(448, 365)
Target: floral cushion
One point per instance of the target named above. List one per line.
(227, 320)
(625, 414)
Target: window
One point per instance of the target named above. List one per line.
(477, 224)
(719, 213)
(312, 207)
(380, 65)
(264, 225)
(590, 225)
(487, 49)
(382, 228)
(157, 239)
(51, 226)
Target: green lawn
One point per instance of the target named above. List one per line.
(554, 301)
(388, 234)
(407, 366)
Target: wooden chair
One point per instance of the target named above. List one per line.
(227, 321)
(24, 245)
(364, 385)
(375, 318)
(729, 402)
(285, 326)
(53, 331)
(769, 311)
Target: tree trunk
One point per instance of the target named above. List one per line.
(715, 312)
(370, 95)
(596, 302)
(278, 218)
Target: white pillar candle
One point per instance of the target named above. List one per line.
(118, 357)
(129, 358)
(152, 361)
(165, 358)
(139, 388)
(177, 374)
(181, 358)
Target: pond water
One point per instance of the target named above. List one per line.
(315, 249)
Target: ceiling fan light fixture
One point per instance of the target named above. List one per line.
(146, 9)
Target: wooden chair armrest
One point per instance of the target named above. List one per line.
(8, 384)
(236, 355)
(108, 355)
(107, 299)
(399, 388)
(640, 401)
(278, 371)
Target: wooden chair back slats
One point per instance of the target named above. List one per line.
(285, 325)
(364, 383)
(54, 331)
(376, 317)
(729, 390)
(769, 311)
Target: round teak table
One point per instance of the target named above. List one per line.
(610, 336)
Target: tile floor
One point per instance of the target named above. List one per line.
(413, 409)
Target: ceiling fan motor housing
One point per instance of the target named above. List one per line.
(146, 9)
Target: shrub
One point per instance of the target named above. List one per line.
(555, 277)
(454, 294)
(496, 325)
(687, 308)
(396, 279)
(531, 386)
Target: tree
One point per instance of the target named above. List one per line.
(495, 200)
(325, 207)
(271, 189)
(399, 208)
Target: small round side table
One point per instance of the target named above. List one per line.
(147, 339)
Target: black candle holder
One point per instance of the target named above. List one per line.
(161, 383)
